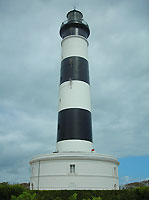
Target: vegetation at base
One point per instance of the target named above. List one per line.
(24, 196)
(18, 192)
(7, 190)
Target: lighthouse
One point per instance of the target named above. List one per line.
(74, 117)
(74, 165)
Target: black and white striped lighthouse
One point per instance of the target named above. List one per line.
(74, 165)
(74, 115)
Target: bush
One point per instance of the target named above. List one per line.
(24, 196)
(7, 190)
(73, 197)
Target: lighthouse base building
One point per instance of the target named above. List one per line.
(74, 165)
(74, 171)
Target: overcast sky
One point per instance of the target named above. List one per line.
(30, 58)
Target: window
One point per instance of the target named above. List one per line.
(72, 169)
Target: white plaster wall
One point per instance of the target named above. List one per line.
(89, 174)
(70, 46)
(76, 182)
(74, 145)
(74, 94)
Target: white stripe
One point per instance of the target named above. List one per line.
(74, 94)
(74, 46)
(74, 145)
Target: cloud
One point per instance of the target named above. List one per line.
(119, 75)
(126, 179)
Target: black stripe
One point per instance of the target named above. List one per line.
(74, 123)
(74, 68)
(74, 29)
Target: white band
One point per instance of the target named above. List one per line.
(74, 94)
(74, 145)
(74, 46)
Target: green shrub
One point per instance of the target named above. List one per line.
(96, 198)
(24, 196)
(73, 197)
(7, 190)
(58, 198)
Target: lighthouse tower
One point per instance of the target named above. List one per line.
(74, 117)
(74, 164)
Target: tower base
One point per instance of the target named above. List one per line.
(74, 171)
